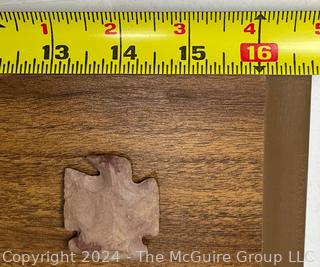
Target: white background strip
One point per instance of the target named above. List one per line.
(312, 238)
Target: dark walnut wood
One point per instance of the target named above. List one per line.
(200, 137)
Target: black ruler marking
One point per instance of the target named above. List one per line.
(71, 15)
(144, 17)
(162, 17)
(42, 67)
(107, 68)
(290, 70)
(22, 15)
(137, 65)
(101, 19)
(98, 69)
(40, 16)
(242, 18)
(17, 60)
(278, 17)
(120, 42)
(59, 67)
(111, 67)
(52, 41)
(102, 66)
(15, 21)
(154, 21)
(189, 43)
(58, 16)
(294, 63)
(305, 17)
(314, 17)
(85, 61)
(223, 62)
(85, 22)
(206, 66)
(76, 14)
(5, 16)
(67, 19)
(63, 68)
(295, 21)
(68, 65)
(2, 66)
(154, 62)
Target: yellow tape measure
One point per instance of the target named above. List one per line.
(279, 43)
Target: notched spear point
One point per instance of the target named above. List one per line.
(110, 213)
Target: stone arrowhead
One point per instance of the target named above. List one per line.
(110, 213)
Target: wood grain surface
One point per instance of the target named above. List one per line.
(201, 137)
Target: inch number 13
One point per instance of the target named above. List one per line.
(62, 52)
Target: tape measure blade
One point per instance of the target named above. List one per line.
(256, 43)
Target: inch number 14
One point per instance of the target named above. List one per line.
(130, 52)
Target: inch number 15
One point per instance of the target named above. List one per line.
(198, 52)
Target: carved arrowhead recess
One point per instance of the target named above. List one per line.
(109, 212)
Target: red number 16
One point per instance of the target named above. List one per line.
(262, 52)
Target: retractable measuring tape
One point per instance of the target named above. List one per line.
(277, 43)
